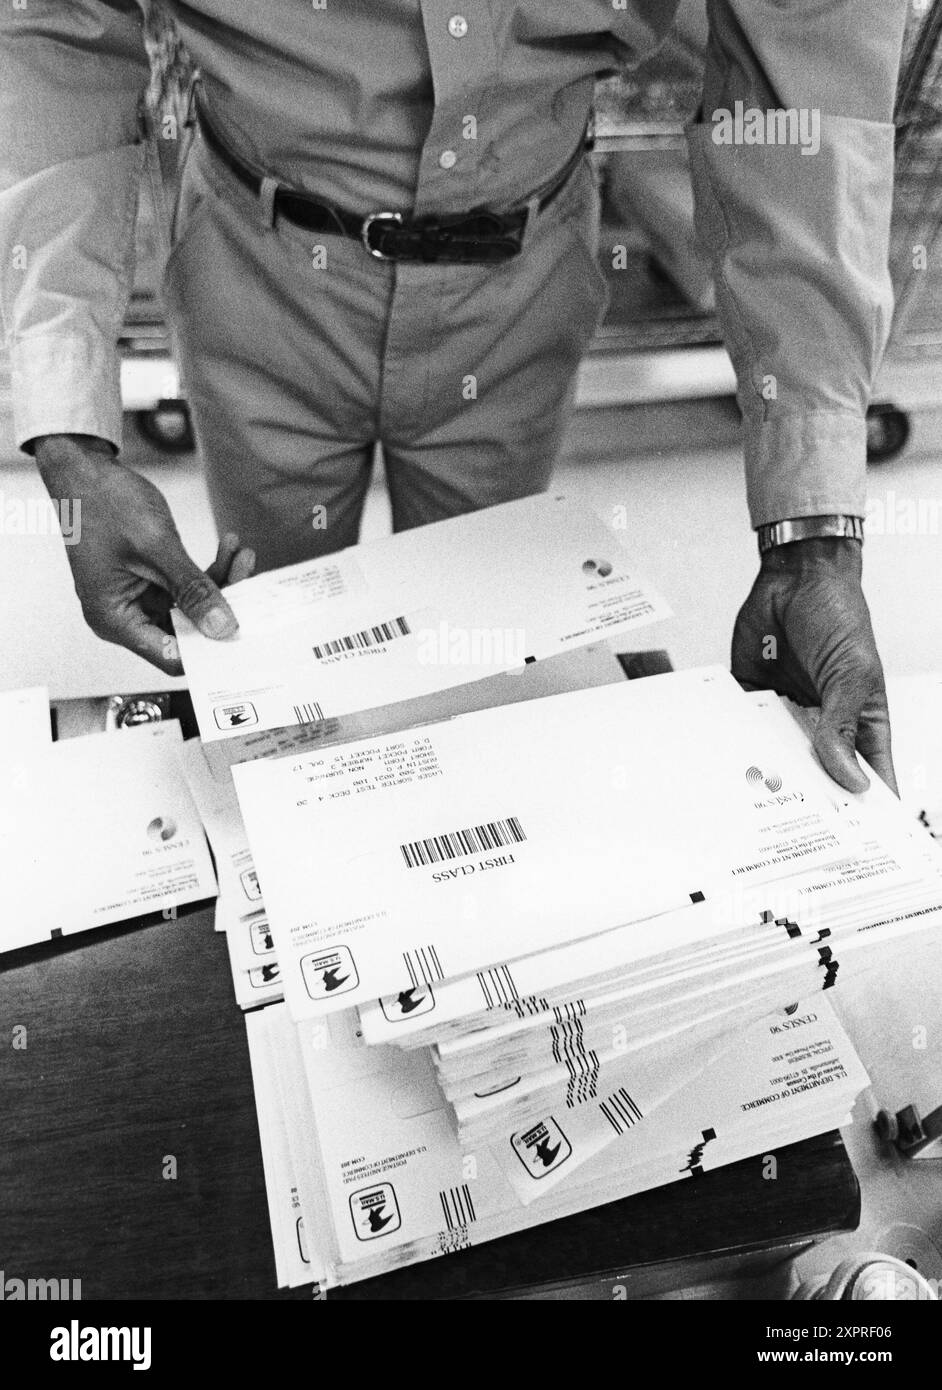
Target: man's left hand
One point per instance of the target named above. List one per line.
(805, 632)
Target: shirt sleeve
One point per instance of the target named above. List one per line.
(798, 233)
(71, 81)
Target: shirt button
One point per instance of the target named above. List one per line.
(457, 26)
(448, 159)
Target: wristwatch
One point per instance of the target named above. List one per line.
(805, 528)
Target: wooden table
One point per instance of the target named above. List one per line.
(135, 1053)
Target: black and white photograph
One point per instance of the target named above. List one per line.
(470, 674)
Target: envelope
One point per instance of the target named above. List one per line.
(208, 766)
(297, 1259)
(99, 829)
(413, 614)
(886, 885)
(398, 863)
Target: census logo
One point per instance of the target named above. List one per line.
(542, 1148)
(162, 828)
(408, 1003)
(265, 975)
(249, 880)
(602, 568)
(331, 972)
(238, 716)
(756, 778)
(375, 1211)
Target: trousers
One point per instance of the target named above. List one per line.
(301, 352)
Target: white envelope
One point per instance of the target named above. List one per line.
(297, 1259)
(412, 614)
(99, 829)
(894, 890)
(397, 863)
(208, 767)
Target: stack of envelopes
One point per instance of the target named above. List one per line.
(588, 940)
(365, 1173)
(534, 957)
(482, 610)
(240, 909)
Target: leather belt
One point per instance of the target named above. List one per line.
(479, 237)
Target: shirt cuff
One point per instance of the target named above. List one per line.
(65, 384)
(808, 464)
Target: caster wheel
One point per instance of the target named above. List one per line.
(887, 433)
(167, 426)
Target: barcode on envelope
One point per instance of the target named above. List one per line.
(367, 637)
(567, 1040)
(309, 714)
(530, 1005)
(423, 966)
(570, 1011)
(620, 1111)
(458, 1207)
(456, 844)
(582, 1085)
(497, 986)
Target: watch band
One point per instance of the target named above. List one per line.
(805, 528)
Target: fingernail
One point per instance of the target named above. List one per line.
(217, 623)
(171, 650)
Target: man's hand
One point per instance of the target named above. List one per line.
(128, 562)
(805, 632)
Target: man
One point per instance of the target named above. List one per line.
(386, 231)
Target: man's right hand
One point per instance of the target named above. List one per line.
(128, 562)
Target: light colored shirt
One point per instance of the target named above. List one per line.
(437, 106)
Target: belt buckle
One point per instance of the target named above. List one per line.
(395, 217)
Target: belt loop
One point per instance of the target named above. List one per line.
(533, 212)
(191, 99)
(266, 200)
